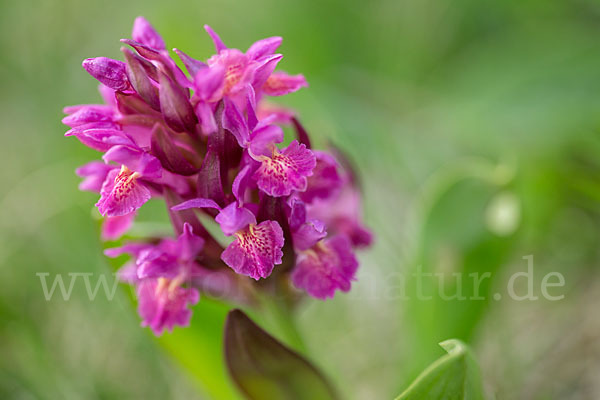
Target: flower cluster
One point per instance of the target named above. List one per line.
(208, 144)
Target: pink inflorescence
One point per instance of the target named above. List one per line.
(208, 144)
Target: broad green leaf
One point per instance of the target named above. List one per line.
(454, 376)
(263, 368)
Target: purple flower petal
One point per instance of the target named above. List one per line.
(205, 114)
(256, 250)
(263, 138)
(145, 33)
(234, 218)
(135, 159)
(209, 83)
(325, 268)
(342, 214)
(285, 171)
(121, 193)
(215, 38)
(196, 203)
(325, 181)
(111, 73)
(280, 83)
(162, 306)
(133, 249)
(191, 64)
(115, 227)
(234, 122)
(94, 174)
(264, 69)
(263, 47)
(100, 139)
(305, 233)
(242, 182)
(87, 114)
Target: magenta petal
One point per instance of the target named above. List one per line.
(263, 47)
(111, 73)
(108, 71)
(128, 273)
(251, 108)
(196, 203)
(136, 160)
(205, 114)
(234, 218)
(215, 38)
(256, 251)
(121, 194)
(285, 172)
(100, 139)
(325, 181)
(133, 249)
(264, 137)
(327, 267)
(234, 122)
(264, 69)
(154, 262)
(87, 114)
(108, 95)
(242, 182)
(162, 307)
(188, 244)
(114, 227)
(191, 64)
(209, 83)
(145, 33)
(280, 83)
(94, 174)
(308, 234)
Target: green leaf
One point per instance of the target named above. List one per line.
(454, 376)
(263, 368)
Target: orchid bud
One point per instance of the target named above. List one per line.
(109, 72)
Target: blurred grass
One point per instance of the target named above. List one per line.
(409, 89)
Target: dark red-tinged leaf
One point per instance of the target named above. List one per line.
(263, 368)
(140, 81)
(175, 106)
(170, 156)
(301, 133)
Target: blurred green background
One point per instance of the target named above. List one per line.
(476, 128)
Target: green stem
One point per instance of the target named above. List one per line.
(282, 319)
